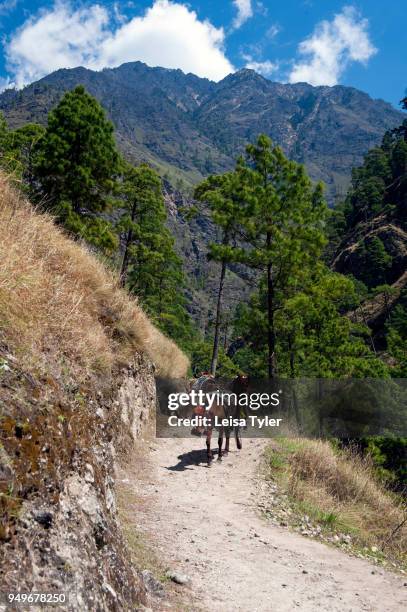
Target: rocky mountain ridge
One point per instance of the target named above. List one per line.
(189, 127)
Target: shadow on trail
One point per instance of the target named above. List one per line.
(188, 460)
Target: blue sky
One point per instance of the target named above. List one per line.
(323, 42)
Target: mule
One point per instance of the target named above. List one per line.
(208, 384)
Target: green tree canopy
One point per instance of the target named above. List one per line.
(17, 149)
(314, 338)
(76, 167)
(286, 228)
(151, 268)
(380, 183)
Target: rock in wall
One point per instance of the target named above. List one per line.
(59, 528)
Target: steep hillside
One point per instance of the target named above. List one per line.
(76, 388)
(351, 259)
(369, 231)
(191, 238)
(190, 127)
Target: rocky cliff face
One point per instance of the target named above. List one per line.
(58, 519)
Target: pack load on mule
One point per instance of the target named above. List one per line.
(201, 411)
(219, 411)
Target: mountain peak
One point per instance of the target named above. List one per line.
(244, 74)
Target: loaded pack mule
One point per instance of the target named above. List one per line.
(219, 411)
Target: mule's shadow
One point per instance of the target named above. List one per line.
(187, 460)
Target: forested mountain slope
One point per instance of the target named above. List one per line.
(369, 238)
(191, 127)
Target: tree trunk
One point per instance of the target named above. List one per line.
(125, 261)
(294, 391)
(160, 298)
(127, 243)
(225, 337)
(320, 412)
(216, 338)
(271, 337)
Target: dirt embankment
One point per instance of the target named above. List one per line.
(58, 513)
(76, 388)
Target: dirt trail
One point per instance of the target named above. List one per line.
(203, 522)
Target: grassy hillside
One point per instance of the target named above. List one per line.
(76, 386)
(336, 495)
(60, 305)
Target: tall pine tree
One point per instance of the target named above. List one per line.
(150, 266)
(228, 201)
(76, 167)
(285, 230)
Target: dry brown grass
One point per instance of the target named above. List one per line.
(340, 489)
(60, 304)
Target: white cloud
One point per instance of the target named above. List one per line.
(169, 34)
(265, 68)
(172, 36)
(332, 47)
(56, 39)
(244, 12)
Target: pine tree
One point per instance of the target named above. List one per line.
(227, 200)
(201, 352)
(398, 317)
(3, 138)
(285, 229)
(17, 149)
(380, 183)
(313, 337)
(374, 261)
(396, 327)
(397, 347)
(142, 205)
(366, 195)
(77, 165)
(324, 343)
(22, 144)
(150, 266)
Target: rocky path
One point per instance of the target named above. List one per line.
(203, 523)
